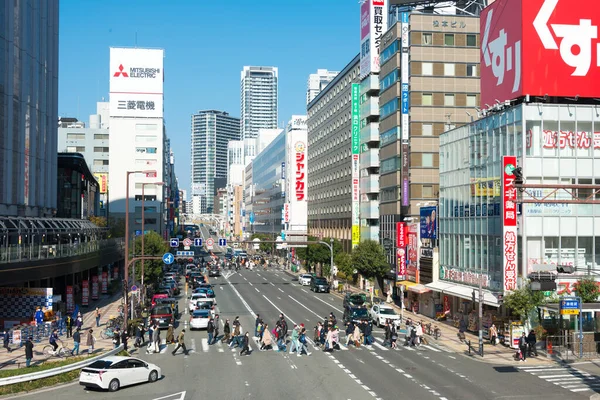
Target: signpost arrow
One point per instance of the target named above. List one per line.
(168, 258)
(198, 242)
(174, 242)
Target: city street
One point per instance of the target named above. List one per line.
(430, 372)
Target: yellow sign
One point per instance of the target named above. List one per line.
(569, 312)
(485, 187)
(355, 235)
(102, 181)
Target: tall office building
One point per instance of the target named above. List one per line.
(258, 92)
(317, 82)
(28, 107)
(211, 132)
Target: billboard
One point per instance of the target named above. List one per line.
(539, 47)
(102, 179)
(136, 82)
(401, 238)
(373, 23)
(509, 222)
(355, 143)
(404, 98)
(429, 225)
(405, 176)
(296, 180)
(297, 122)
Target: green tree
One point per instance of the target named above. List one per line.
(154, 245)
(344, 264)
(523, 301)
(587, 289)
(263, 236)
(99, 221)
(116, 228)
(317, 252)
(369, 259)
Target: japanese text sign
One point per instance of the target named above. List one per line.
(509, 222)
(300, 171)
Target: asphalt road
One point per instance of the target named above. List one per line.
(372, 372)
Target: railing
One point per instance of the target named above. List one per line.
(566, 346)
(32, 252)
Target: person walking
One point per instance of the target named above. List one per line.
(294, 345)
(317, 334)
(139, 335)
(69, 325)
(90, 341)
(368, 332)
(267, 339)
(235, 339)
(394, 336)
(124, 339)
(170, 334)
(531, 341)
(97, 315)
(76, 342)
(181, 343)
(226, 332)
(28, 351)
(7, 341)
(349, 332)
(156, 338)
(211, 329)
(523, 347)
(256, 323)
(245, 344)
(116, 338)
(39, 316)
(79, 321)
(302, 341)
(493, 334)
(216, 324)
(356, 336)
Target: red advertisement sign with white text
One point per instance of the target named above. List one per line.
(85, 292)
(401, 233)
(509, 222)
(539, 47)
(104, 282)
(95, 287)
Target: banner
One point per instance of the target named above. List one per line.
(95, 287)
(70, 300)
(115, 273)
(355, 143)
(16, 337)
(401, 235)
(509, 222)
(85, 292)
(104, 282)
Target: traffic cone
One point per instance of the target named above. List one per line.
(549, 347)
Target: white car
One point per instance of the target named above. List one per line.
(379, 313)
(196, 297)
(305, 279)
(115, 372)
(199, 319)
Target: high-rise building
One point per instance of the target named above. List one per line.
(28, 107)
(317, 82)
(258, 92)
(211, 132)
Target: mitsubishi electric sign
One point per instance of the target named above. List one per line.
(136, 82)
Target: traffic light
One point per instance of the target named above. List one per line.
(518, 173)
(565, 269)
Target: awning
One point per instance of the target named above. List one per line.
(463, 291)
(414, 287)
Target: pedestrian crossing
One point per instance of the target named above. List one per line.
(567, 377)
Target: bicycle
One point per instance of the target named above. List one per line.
(61, 351)
(107, 333)
(437, 332)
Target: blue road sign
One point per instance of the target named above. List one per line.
(174, 242)
(222, 242)
(198, 242)
(570, 304)
(251, 217)
(185, 253)
(168, 258)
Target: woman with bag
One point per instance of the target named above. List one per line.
(267, 341)
(394, 336)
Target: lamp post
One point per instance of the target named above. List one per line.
(144, 232)
(126, 312)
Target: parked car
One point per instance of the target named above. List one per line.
(199, 319)
(305, 279)
(318, 284)
(112, 373)
(163, 315)
(379, 313)
(159, 295)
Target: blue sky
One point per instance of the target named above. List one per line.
(206, 45)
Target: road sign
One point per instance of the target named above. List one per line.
(168, 258)
(134, 288)
(198, 242)
(185, 254)
(174, 242)
(569, 304)
(569, 312)
(210, 242)
(187, 242)
(222, 242)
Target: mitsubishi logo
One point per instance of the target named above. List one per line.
(121, 72)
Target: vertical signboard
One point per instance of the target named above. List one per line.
(95, 288)
(405, 176)
(355, 165)
(509, 222)
(401, 249)
(85, 292)
(404, 44)
(286, 213)
(373, 23)
(70, 299)
(412, 269)
(104, 282)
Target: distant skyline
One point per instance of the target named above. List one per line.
(203, 55)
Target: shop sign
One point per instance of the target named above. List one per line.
(449, 24)
(469, 278)
(95, 287)
(568, 139)
(104, 282)
(446, 304)
(355, 151)
(85, 292)
(509, 222)
(401, 233)
(286, 212)
(426, 252)
(70, 299)
(300, 148)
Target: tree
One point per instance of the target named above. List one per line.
(116, 228)
(317, 252)
(263, 246)
(99, 221)
(588, 290)
(369, 259)
(523, 301)
(344, 264)
(154, 245)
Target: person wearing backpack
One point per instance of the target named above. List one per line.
(302, 341)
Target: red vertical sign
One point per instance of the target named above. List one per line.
(509, 222)
(85, 292)
(95, 288)
(104, 282)
(70, 299)
(401, 249)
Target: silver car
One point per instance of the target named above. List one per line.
(304, 279)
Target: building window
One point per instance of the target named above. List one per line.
(100, 136)
(389, 108)
(389, 165)
(75, 136)
(388, 137)
(449, 69)
(388, 80)
(426, 99)
(471, 100)
(427, 68)
(471, 40)
(427, 192)
(449, 39)
(145, 138)
(448, 99)
(472, 70)
(149, 150)
(100, 163)
(427, 160)
(75, 149)
(427, 39)
(427, 130)
(389, 51)
(100, 149)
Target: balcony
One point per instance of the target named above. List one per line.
(369, 210)
(369, 233)
(370, 84)
(370, 108)
(370, 133)
(369, 159)
(369, 184)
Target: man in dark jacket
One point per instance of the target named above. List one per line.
(181, 343)
(7, 341)
(226, 332)
(349, 332)
(69, 325)
(210, 329)
(523, 346)
(245, 344)
(28, 351)
(368, 332)
(216, 323)
(531, 341)
(256, 322)
(76, 342)
(284, 326)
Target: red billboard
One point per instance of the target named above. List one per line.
(539, 47)
(401, 236)
(509, 222)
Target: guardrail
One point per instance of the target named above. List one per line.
(55, 371)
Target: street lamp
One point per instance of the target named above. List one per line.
(126, 312)
(144, 232)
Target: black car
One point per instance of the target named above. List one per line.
(318, 284)
(355, 314)
(354, 299)
(214, 271)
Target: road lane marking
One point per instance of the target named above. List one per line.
(271, 283)
(241, 299)
(257, 290)
(204, 342)
(250, 283)
(330, 305)
(380, 346)
(302, 305)
(280, 290)
(304, 290)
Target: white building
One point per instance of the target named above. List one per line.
(317, 82)
(258, 87)
(137, 128)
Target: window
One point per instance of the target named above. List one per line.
(449, 39)
(389, 51)
(427, 39)
(100, 136)
(389, 165)
(427, 68)
(147, 209)
(471, 69)
(389, 108)
(76, 149)
(472, 40)
(427, 192)
(388, 136)
(427, 99)
(75, 136)
(146, 127)
(427, 130)
(100, 149)
(388, 80)
(99, 163)
(427, 160)
(471, 100)
(448, 99)
(449, 69)
(145, 162)
(138, 197)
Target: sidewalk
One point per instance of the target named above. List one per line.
(498, 354)
(108, 306)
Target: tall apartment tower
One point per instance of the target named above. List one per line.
(258, 93)
(211, 132)
(317, 82)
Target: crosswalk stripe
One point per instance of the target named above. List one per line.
(567, 378)
(431, 348)
(220, 347)
(204, 345)
(381, 347)
(163, 346)
(193, 348)
(342, 346)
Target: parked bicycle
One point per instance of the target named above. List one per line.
(114, 322)
(61, 351)
(108, 333)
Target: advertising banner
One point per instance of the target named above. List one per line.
(355, 164)
(405, 176)
(115, 273)
(85, 292)
(401, 233)
(286, 213)
(373, 23)
(95, 287)
(509, 222)
(104, 282)
(412, 269)
(102, 181)
(518, 37)
(404, 77)
(16, 336)
(296, 164)
(428, 219)
(70, 299)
